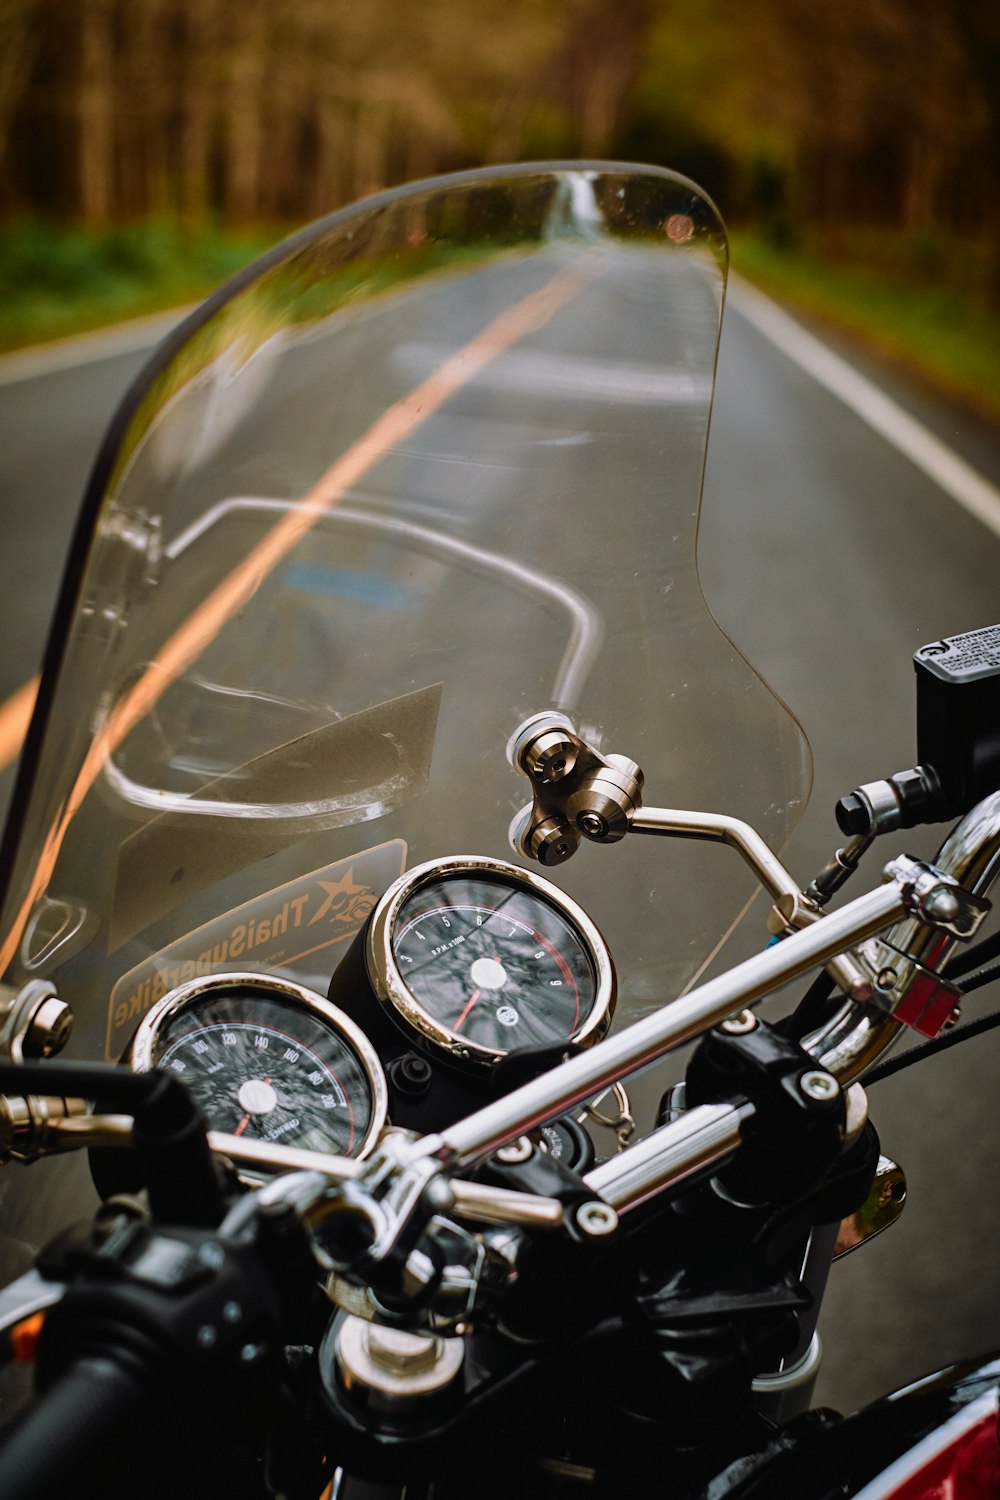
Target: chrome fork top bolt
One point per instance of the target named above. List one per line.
(818, 1085)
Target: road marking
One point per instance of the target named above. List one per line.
(960, 480)
(89, 348)
(15, 715)
(234, 591)
(574, 376)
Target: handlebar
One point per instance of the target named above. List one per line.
(90, 1424)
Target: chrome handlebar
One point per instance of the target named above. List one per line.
(925, 908)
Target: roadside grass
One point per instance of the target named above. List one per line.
(56, 281)
(912, 300)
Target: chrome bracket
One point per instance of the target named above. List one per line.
(577, 791)
(881, 1208)
(911, 993)
(936, 898)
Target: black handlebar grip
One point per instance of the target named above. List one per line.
(84, 1435)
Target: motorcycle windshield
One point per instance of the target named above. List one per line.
(428, 468)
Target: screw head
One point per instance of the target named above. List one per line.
(886, 979)
(516, 1152)
(739, 1025)
(593, 824)
(552, 843)
(942, 905)
(818, 1085)
(49, 1030)
(596, 1218)
(550, 757)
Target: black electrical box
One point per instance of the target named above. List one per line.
(958, 717)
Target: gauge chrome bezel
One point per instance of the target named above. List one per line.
(392, 990)
(140, 1053)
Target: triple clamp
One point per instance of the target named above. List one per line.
(576, 791)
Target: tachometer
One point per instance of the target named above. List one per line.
(480, 957)
(270, 1060)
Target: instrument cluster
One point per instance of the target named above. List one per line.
(465, 967)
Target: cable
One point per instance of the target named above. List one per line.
(940, 1044)
(813, 1010)
(981, 977)
(967, 959)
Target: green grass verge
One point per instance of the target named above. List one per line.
(917, 300)
(907, 299)
(56, 281)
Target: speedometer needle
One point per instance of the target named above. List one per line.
(475, 996)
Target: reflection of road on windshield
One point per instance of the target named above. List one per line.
(529, 544)
(197, 630)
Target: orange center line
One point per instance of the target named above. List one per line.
(235, 590)
(15, 715)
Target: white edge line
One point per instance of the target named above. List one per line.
(928, 453)
(89, 348)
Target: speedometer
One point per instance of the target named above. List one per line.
(269, 1060)
(479, 957)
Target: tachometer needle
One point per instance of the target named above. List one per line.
(475, 996)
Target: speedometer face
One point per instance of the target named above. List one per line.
(484, 958)
(268, 1061)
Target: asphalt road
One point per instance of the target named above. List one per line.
(829, 558)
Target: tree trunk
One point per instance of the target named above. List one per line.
(95, 113)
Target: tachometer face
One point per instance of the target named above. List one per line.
(269, 1061)
(482, 958)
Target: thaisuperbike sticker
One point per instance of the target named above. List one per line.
(290, 931)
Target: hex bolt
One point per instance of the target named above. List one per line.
(550, 757)
(515, 1153)
(400, 1353)
(739, 1025)
(818, 1085)
(551, 843)
(593, 824)
(596, 1218)
(942, 905)
(49, 1030)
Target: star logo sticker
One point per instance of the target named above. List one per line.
(340, 904)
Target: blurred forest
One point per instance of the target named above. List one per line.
(884, 112)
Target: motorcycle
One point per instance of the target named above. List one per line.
(338, 1185)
